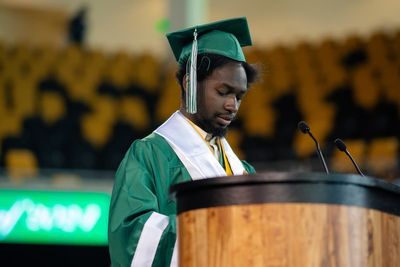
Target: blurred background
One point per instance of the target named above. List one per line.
(80, 80)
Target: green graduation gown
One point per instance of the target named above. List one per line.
(142, 220)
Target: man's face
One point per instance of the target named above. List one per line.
(219, 98)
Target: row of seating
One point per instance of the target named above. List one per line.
(379, 157)
(81, 108)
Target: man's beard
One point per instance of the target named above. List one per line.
(207, 126)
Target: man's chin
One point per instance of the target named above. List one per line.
(219, 131)
(213, 128)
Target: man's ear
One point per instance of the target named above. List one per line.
(185, 80)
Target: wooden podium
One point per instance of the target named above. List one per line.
(288, 219)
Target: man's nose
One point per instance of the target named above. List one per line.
(232, 104)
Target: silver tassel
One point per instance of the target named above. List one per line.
(191, 104)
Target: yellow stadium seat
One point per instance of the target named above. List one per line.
(11, 124)
(258, 95)
(259, 121)
(105, 107)
(341, 163)
(327, 51)
(169, 100)
(235, 137)
(304, 62)
(3, 96)
(82, 88)
(21, 163)
(94, 66)
(147, 72)
(322, 126)
(52, 106)
(119, 69)
(303, 146)
(133, 110)
(378, 50)
(95, 130)
(366, 91)
(382, 155)
(20, 52)
(71, 55)
(24, 96)
(319, 113)
(351, 42)
(278, 70)
(390, 79)
(43, 60)
(310, 96)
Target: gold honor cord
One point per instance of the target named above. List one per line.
(227, 166)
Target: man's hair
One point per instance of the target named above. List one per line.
(207, 63)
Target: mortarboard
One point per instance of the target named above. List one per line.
(225, 37)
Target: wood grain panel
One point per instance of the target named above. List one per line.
(283, 235)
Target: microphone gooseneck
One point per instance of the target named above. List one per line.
(342, 147)
(304, 128)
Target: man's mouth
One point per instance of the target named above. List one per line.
(225, 120)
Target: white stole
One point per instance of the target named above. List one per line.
(192, 150)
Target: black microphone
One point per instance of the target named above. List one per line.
(303, 127)
(342, 147)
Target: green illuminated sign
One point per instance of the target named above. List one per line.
(53, 217)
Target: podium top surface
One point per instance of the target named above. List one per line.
(285, 187)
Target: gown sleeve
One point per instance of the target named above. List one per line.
(250, 169)
(139, 234)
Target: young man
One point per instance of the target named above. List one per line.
(189, 145)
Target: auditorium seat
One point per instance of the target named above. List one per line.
(326, 51)
(366, 91)
(328, 59)
(310, 95)
(390, 80)
(339, 162)
(95, 130)
(379, 52)
(303, 146)
(261, 125)
(71, 55)
(20, 163)
(24, 94)
(277, 70)
(134, 111)
(105, 107)
(94, 67)
(322, 121)
(169, 98)
(352, 52)
(11, 124)
(52, 106)
(304, 63)
(118, 70)
(147, 72)
(258, 96)
(383, 154)
(235, 137)
(82, 88)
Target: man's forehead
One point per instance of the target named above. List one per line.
(231, 74)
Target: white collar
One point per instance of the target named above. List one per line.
(193, 151)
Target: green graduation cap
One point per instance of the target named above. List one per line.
(225, 37)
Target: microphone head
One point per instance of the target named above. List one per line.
(340, 145)
(303, 127)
